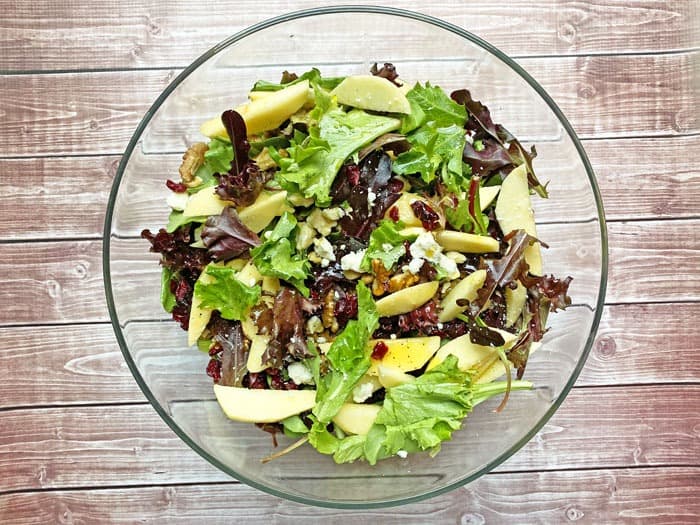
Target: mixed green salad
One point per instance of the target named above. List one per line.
(359, 258)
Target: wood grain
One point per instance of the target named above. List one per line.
(602, 427)
(82, 364)
(659, 495)
(96, 113)
(150, 34)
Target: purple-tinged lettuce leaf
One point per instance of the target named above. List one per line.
(226, 237)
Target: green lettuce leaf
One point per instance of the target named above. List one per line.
(348, 358)
(167, 298)
(176, 219)
(294, 427)
(277, 256)
(313, 76)
(217, 159)
(313, 164)
(435, 149)
(227, 294)
(385, 244)
(437, 107)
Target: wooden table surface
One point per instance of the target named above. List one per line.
(80, 444)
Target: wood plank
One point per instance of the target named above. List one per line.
(68, 195)
(54, 448)
(96, 113)
(644, 343)
(635, 185)
(65, 277)
(79, 364)
(611, 496)
(151, 34)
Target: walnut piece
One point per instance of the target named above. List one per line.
(380, 285)
(401, 281)
(191, 161)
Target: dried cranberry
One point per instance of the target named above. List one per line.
(345, 308)
(352, 172)
(255, 381)
(214, 369)
(380, 350)
(427, 216)
(215, 349)
(181, 314)
(394, 214)
(177, 187)
(395, 185)
(183, 290)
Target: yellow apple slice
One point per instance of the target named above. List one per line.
(465, 289)
(204, 202)
(406, 354)
(263, 113)
(514, 212)
(466, 242)
(391, 376)
(468, 354)
(270, 284)
(373, 93)
(405, 212)
(258, 345)
(515, 301)
(199, 316)
(497, 368)
(266, 207)
(354, 418)
(406, 300)
(249, 275)
(263, 406)
(486, 195)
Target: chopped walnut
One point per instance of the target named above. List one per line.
(328, 314)
(380, 285)
(401, 281)
(191, 161)
(264, 161)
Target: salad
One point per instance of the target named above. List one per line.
(358, 256)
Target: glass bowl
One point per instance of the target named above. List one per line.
(348, 40)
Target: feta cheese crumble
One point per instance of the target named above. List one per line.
(402, 454)
(362, 392)
(177, 201)
(324, 250)
(300, 374)
(426, 248)
(351, 261)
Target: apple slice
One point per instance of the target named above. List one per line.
(405, 212)
(469, 355)
(204, 202)
(391, 376)
(407, 354)
(249, 275)
(465, 289)
(514, 212)
(373, 93)
(263, 113)
(406, 300)
(199, 316)
(258, 345)
(263, 406)
(486, 195)
(466, 242)
(515, 301)
(497, 369)
(356, 418)
(266, 207)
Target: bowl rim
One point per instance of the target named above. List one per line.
(305, 13)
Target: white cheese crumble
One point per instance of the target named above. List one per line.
(402, 454)
(425, 248)
(177, 201)
(333, 214)
(300, 374)
(305, 237)
(362, 392)
(352, 261)
(320, 222)
(392, 336)
(371, 197)
(324, 250)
